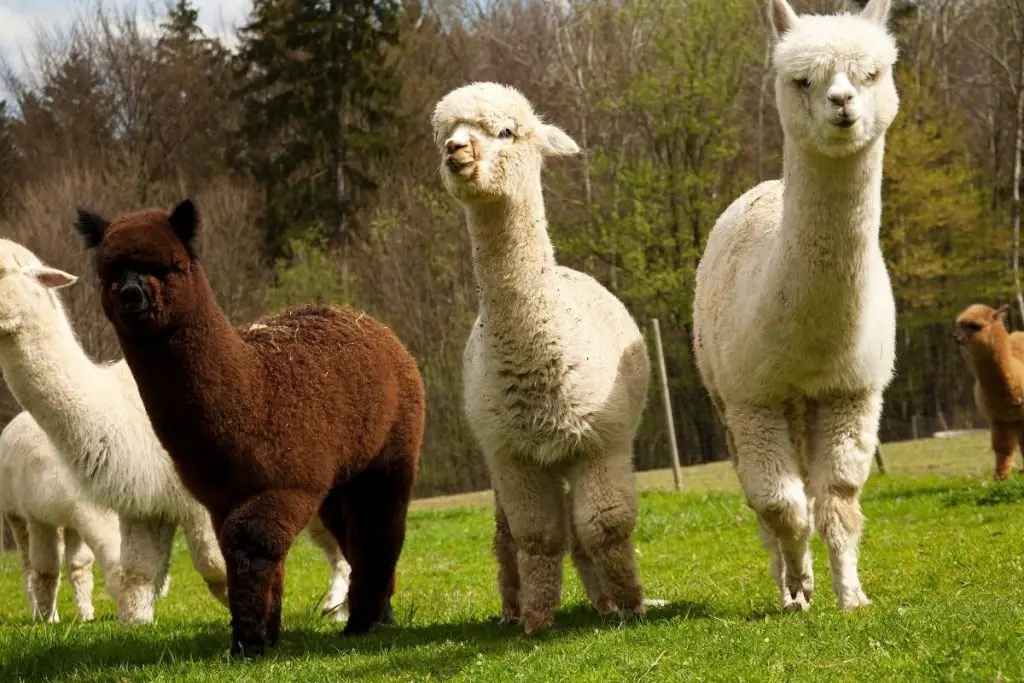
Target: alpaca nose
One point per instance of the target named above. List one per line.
(132, 297)
(841, 98)
(453, 146)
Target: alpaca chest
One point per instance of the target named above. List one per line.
(539, 410)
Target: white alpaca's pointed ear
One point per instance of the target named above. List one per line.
(877, 11)
(51, 278)
(782, 17)
(557, 142)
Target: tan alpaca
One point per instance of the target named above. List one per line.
(996, 359)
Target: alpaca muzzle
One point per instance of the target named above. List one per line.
(460, 155)
(133, 296)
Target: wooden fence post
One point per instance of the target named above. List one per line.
(879, 460)
(677, 474)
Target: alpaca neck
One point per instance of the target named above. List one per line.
(512, 258)
(995, 366)
(829, 229)
(52, 378)
(187, 377)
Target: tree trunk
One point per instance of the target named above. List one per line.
(1018, 152)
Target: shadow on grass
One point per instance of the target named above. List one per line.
(912, 493)
(411, 651)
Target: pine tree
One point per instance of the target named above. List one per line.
(317, 101)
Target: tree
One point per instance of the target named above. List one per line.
(317, 98)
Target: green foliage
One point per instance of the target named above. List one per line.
(318, 94)
(308, 274)
(937, 231)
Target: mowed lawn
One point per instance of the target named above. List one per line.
(942, 558)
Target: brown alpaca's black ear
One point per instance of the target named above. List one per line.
(185, 222)
(1000, 312)
(92, 227)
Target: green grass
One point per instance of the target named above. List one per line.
(941, 558)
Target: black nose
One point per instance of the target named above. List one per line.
(452, 146)
(132, 298)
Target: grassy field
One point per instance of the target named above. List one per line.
(941, 558)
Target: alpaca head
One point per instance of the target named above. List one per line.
(977, 327)
(27, 288)
(834, 84)
(492, 143)
(146, 262)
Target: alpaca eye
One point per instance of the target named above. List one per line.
(973, 327)
(872, 77)
(803, 83)
(506, 133)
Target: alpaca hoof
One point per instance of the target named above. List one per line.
(795, 603)
(356, 626)
(336, 613)
(854, 600)
(247, 650)
(509, 616)
(534, 623)
(86, 614)
(631, 613)
(606, 606)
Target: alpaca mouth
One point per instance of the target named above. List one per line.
(845, 121)
(456, 165)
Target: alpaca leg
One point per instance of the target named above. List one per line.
(44, 554)
(604, 514)
(841, 447)
(145, 559)
(374, 505)
(505, 552)
(255, 538)
(766, 464)
(534, 504)
(78, 560)
(1004, 445)
(204, 550)
(98, 532)
(21, 539)
(336, 600)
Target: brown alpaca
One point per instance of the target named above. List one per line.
(314, 410)
(996, 359)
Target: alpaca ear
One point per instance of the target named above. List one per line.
(557, 142)
(51, 278)
(877, 11)
(1000, 312)
(92, 227)
(184, 221)
(782, 17)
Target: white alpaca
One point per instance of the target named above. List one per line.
(555, 369)
(38, 496)
(95, 418)
(793, 311)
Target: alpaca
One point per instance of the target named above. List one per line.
(94, 416)
(555, 369)
(316, 409)
(38, 496)
(793, 315)
(996, 360)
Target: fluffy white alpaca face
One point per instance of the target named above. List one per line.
(492, 144)
(26, 286)
(834, 83)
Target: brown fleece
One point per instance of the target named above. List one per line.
(996, 359)
(313, 410)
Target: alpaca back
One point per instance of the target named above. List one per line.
(35, 483)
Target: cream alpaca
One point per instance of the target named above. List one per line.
(94, 416)
(793, 310)
(555, 369)
(38, 496)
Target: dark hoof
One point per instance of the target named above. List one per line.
(247, 650)
(355, 626)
